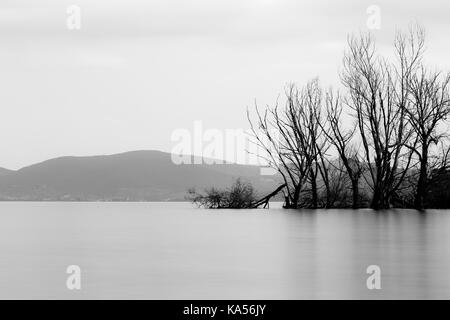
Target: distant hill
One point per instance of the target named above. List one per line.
(4, 172)
(131, 176)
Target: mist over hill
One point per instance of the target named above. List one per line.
(131, 176)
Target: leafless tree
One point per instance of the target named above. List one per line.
(340, 137)
(378, 94)
(398, 107)
(430, 105)
(292, 140)
(275, 132)
(240, 195)
(311, 109)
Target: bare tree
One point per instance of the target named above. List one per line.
(291, 139)
(430, 105)
(378, 94)
(310, 107)
(239, 196)
(341, 138)
(398, 107)
(276, 133)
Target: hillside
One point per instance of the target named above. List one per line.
(4, 172)
(132, 176)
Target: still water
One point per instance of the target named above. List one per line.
(176, 251)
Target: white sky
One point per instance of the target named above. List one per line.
(138, 70)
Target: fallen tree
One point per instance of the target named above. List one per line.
(265, 200)
(240, 195)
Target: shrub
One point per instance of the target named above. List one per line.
(239, 195)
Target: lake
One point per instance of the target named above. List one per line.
(177, 251)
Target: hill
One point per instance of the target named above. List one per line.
(4, 172)
(131, 176)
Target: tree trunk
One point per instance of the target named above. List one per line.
(296, 198)
(422, 183)
(313, 189)
(265, 200)
(375, 203)
(355, 193)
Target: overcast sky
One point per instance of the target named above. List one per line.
(138, 70)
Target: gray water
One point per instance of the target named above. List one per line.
(176, 251)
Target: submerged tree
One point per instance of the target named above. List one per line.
(340, 137)
(393, 145)
(430, 105)
(239, 195)
(292, 139)
(378, 94)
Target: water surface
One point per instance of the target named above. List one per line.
(176, 251)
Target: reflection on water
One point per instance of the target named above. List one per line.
(175, 251)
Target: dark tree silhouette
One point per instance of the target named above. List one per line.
(340, 138)
(396, 146)
(430, 105)
(378, 94)
(292, 140)
(239, 195)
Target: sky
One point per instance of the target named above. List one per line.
(137, 71)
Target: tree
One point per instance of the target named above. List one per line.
(430, 105)
(239, 195)
(399, 108)
(378, 95)
(292, 140)
(310, 108)
(341, 138)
